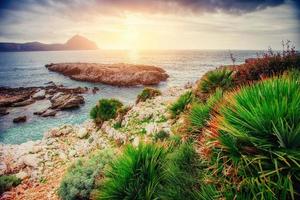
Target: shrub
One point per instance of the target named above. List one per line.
(147, 93)
(271, 64)
(7, 182)
(200, 112)
(177, 107)
(161, 135)
(105, 110)
(220, 78)
(258, 139)
(79, 180)
(138, 174)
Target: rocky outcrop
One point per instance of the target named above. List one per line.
(66, 101)
(112, 74)
(60, 97)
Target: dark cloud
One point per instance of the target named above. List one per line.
(230, 6)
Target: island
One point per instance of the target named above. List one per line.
(77, 42)
(120, 74)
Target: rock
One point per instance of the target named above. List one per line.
(95, 90)
(39, 112)
(8, 100)
(49, 113)
(73, 102)
(151, 128)
(39, 95)
(20, 119)
(55, 96)
(81, 133)
(67, 101)
(112, 74)
(72, 153)
(23, 103)
(136, 141)
(55, 132)
(36, 149)
(30, 160)
(22, 175)
(3, 111)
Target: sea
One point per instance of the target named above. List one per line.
(24, 69)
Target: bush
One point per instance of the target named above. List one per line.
(271, 64)
(147, 93)
(258, 139)
(138, 174)
(161, 135)
(80, 178)
(105, 110)
(221, 78)
(7, 182)
(200, 112)
(179, 106)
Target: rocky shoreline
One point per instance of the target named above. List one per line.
(58, 97)
(112, 74)
(34, 160)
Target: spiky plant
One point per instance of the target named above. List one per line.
(212, 80)
(259, 139)
(137, 175)
(184, 167)
(200, 112)
(179, 106)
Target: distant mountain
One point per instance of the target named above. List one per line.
(77, 42)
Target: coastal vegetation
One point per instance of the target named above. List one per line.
(180, 105)
(105, 109)
(223, 139)
(80, 178)
(147, 93)
(7, 182)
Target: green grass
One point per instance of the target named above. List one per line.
(7, 182)
(180, 105)
(105, 109)
(216, 79)
(147, 93)
(259, 136)
(138, 174)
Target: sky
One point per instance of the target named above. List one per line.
(154, 24)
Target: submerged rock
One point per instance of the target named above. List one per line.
(20, 119)
(3, 111)
(113, 74)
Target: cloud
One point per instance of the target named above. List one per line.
(230, 6)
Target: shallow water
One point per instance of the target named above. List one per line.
(28, 69)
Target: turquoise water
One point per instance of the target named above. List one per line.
(25, 69)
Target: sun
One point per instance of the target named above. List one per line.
(132, 33)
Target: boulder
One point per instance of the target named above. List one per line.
(39, 95)
(49, 113)
(20, 119)
(81, 133)
(30, 160)
(22, 175)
